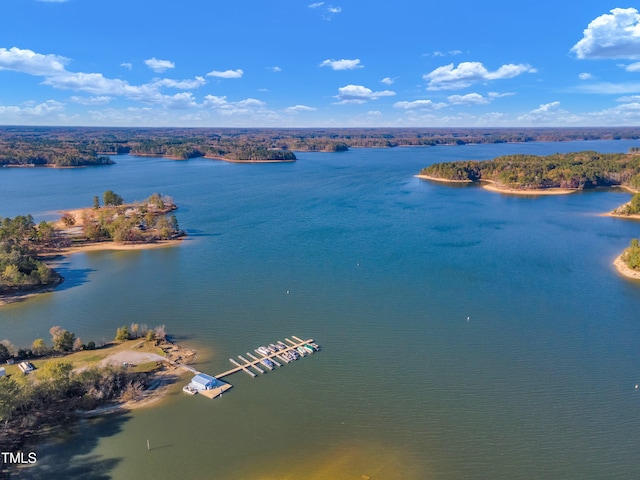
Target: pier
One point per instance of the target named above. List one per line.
(215, 387)
(254, 363)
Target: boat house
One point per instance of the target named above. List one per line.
(202, 381)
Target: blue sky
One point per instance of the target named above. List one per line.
(338, 63)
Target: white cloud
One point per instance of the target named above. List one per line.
(608, 88)
(342, 64)
(630, 98)
(454, 52)
(327, 12)
(547, 107)
(159, 65)
(299, 108)
(43, 110)
(101, 100)
(468, 99)
(331, 9)
(419, 105)
(127, 65)
(183, 84)
(316, 5)
(585, 76)
(275, 69)
(179, 101)
(359, 94)
(388, 80)
(28, 61)
(634, 67)
(612, 35)
(226, 73)
(53, 1)
(465, 74)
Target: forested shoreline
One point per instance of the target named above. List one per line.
(86, 146)
(577, 170)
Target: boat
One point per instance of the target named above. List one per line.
(302, 351)
(308, 348)
(189, 390)
(268, 363)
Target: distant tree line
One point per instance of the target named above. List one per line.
(64, 146)
(569, 170)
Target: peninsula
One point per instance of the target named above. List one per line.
(26, 248)
(535, 175)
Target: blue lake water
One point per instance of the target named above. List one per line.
(466, 334)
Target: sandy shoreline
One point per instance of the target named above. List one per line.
(442, 180)
(533, 191)
(624, 270)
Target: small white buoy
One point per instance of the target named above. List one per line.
(287, 292)
(467, 319)
(636, 386)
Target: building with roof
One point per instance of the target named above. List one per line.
(202, 381)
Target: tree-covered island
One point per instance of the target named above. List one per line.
(532, 173)
(25, 247)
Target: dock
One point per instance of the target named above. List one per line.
(214, 387)
(254, 363)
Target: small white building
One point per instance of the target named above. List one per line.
(3, 371)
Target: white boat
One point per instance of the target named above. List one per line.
(189, 390)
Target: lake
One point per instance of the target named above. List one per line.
(465, 334)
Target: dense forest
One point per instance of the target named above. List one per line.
(569, 170)
(631, 255)
(80, 146)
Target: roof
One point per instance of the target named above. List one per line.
(203, 378)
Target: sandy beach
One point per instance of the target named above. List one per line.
(536, 192)
(443, 180)
(624, 270)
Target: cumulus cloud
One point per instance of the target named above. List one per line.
(226, 73)
(101, 100)
(547, 107)
(127, 65)
(159, 65)
(388, 80)
(275, 69)
(612, 35)
(465, 74)
(182, 84)
(585, 76)
(342, 64)
(419, 105)
(28, 61)
(468, 99)
(299, 108)
(359, 94)
(634, 67)
(40, 110)
(248, 106)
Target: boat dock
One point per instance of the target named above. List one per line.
(212, 387)
(256, 362)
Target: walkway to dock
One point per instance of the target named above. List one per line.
(255, 362)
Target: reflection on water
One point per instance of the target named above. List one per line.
(465, 334)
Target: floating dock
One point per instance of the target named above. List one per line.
(216, 387)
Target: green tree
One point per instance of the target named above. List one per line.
(112, 199)
(122, 334)
(5, 354)
(62, 339)
(39, 348)
(96, 202)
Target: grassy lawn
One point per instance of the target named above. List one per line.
(90, 358)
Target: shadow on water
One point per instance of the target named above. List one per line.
(73, 277)
(69, 457)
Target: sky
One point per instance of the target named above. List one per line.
(337, 63)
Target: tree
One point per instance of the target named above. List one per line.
(96, 202)
(68, 220)
(38, 347)
(62, 339)
(112, 199)
(5, 354)
(77, 345)
(122, 334)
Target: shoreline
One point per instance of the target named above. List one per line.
(624, 270)
(530, 192)
(441, 180)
